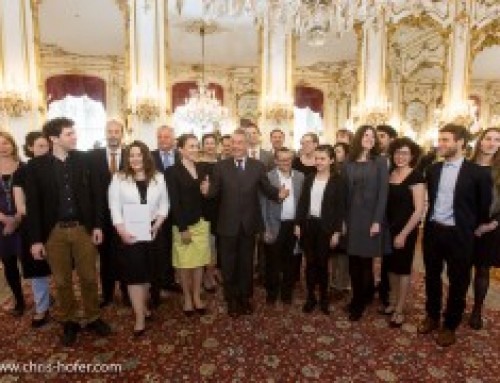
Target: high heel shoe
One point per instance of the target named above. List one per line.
(201, 310)
(148, 316)
(139, 333)
(188, 313)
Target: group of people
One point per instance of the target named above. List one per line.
(223, 216)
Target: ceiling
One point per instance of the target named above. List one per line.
(97, 27)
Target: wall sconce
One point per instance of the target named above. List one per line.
(375, 114)
(146, 104)
(463, 113)
(13, 103)
(279, 111)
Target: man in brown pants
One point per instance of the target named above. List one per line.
(64, 221)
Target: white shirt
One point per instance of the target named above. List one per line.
(257, 153)
(118, 153)
(444, 211)
(317, 191)
(288, 204)
(242, 161)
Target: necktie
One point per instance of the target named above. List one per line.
(113, 166)
(165, 160)
(239, 165)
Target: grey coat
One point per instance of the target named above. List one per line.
(367, 190)
(271, 210)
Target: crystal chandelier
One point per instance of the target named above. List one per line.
(202, 108)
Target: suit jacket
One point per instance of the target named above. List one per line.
(238, 192)
(99, 167)
(42, 195)
(333, 206)
(472, 197)
(159, 163)
(271, 210)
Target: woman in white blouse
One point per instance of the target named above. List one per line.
(138, 183)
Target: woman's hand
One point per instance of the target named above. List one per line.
(486, 228)
(374, 229)
(186, 237)
(334, 241)
(296, 231)
(10, 225)
(127, 238)
(399, 241)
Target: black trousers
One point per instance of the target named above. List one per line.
(12, 276)
(168, 271)
(316, 249)
(447, 245)
(236, 255)
(279, 263)
(361, 273)
(109, 265)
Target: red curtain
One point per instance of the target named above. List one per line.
(180, 91)
(306, 96)
(60, 86)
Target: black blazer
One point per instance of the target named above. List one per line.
(238, 192)
(42, 195)
(186, 200)
(333, 206)
(99, 167)
(472, 197)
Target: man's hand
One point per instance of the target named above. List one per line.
(10, 225)
(97, 236)
(374, 229)
(399, 241)
(38, 251)
(127, 238)
(334, 241)
(186, 237)
(296, 231)
(205, 186)
(283, 193)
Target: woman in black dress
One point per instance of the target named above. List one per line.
(487, 249)
(367, 178)
(138, 184)
(405, 207)
(10, 238)
(36, 144)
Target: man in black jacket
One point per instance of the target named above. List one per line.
(237, 181)
(165, 157)
(64, 216)
(459, 201)
(105, 162)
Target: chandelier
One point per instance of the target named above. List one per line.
(202, 108)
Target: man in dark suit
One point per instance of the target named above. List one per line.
(237, 181)
(104, 163)
(459, 201)
(64, 219)
(165, 157)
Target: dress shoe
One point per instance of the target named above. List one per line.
(201, 310)
(18, 310)
(324, 307)
(232, 309)
(271, 300)
(475, 320)
(446, 337)
(139, 333)
(355, 315)
(427, 326)
(246, 308)
(397, 320)
(188, 313)
(70, 330)
(309, 306)
(100, 327)
(39, 322)
(105, 303)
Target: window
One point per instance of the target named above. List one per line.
(89, 117)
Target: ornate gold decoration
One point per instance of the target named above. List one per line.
(279, 111)
(14, 104)
(147, 110)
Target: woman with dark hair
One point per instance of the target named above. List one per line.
(405, 207)
(36, 144)
(367, 177)
(139, 183)
(191, 249)
(320, 215)
(487, 249)
(210, 208)
(10, 218)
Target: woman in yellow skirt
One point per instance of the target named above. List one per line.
(191, 232)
